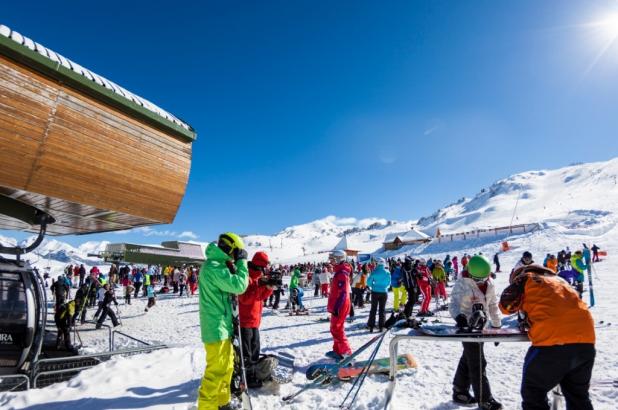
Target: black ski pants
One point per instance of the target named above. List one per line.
(378, 303)
(569, 366)
(412, 300)
(107, 311)
(316, 290)
(471, 371)
(138, 285)
(250, 345)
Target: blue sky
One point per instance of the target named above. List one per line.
(305, 108)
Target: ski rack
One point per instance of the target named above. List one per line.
(415, 335)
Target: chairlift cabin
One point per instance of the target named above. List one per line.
(78, 154)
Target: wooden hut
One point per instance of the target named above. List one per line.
(83, 149)
(412, 237)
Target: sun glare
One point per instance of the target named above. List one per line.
(609, 26)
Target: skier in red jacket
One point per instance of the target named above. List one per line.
(339, 304)
(250, 312)
(424, 284)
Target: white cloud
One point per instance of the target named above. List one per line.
(188, 235)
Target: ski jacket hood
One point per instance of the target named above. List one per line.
(379, 280)
(251, 302)
(217, 285)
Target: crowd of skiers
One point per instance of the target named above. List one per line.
(229, 283)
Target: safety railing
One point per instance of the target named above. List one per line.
(75, 364)
(6, 383)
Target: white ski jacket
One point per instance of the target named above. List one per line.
(466, 293)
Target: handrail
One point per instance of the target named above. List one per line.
(109, 331)
(17, 376)
(114, 332)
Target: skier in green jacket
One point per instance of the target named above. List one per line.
(294, 284)
(223, 275)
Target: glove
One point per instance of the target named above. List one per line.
(461, 321)
(240, 254)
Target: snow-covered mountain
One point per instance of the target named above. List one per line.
(583, 196)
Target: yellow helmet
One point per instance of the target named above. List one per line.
(229, 242)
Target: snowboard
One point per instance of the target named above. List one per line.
(354, 369)
(452, 331)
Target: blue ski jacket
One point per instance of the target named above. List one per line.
(396, 277)
(379, 280)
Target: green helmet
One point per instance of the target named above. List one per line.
(229, 242)
(479, 267)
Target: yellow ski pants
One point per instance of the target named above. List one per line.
(215, 388)
(401, 296)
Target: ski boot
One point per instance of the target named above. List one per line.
(463, 397)
(490, 404)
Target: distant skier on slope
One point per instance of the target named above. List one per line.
(223, 274)
(339, 303)
(474, 296)
(561, 330)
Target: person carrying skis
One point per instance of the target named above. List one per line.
(595, 253)
(577, 263)
(399, 291)
(474, 296)
(339, 303)
(379, 280)
(423, 279)
(561, 330)
(223, 274)
(250, 310)
(408, 275)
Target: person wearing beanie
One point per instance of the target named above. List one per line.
(223, 275)
(339, 303)
(473, 299)
(250, 307)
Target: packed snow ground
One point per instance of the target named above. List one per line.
(169, 379)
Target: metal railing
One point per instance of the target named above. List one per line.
(77, 360)
(5, 378)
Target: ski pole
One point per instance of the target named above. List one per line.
(326, 375)
(356, 386)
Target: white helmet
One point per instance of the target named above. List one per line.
(422, 261)
(382, 261)
(338, 256)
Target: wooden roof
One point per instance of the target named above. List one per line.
(90, 157)
(40, 58)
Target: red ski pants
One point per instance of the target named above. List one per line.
(441, 290)
(341, 345)
(324, 289)
(425, 288)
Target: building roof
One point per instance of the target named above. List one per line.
(34, 55)
(343, 244)
(411, 235)
(171, 252)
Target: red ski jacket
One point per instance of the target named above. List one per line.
(250, 303)
(339, 296)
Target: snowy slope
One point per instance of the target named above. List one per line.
(579, 196)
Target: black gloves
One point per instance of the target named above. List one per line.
(461, 321)
(240, 254)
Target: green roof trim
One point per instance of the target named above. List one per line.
(57, 70)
